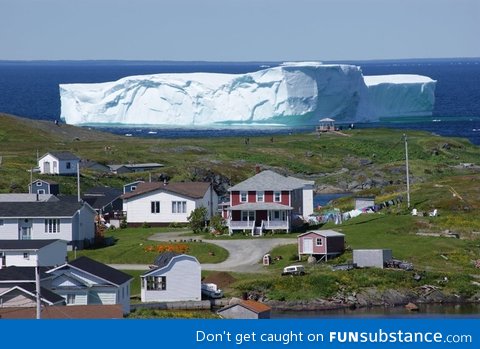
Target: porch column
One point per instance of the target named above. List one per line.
(288, 223)
(268, 218)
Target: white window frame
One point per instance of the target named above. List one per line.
(38, 184)
(71, 298)
(41, 191)
(52, 225)
(156, 283)
(250, 214)
(275, 193)
(317, 240)
(242, 194)
(155, 207)
(133, 187)
(26, 255)
(260, 196)
(179, 207)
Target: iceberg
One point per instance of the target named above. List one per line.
(294, 94)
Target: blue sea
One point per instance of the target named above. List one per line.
(30, 89)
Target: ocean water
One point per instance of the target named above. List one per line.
(30, 89)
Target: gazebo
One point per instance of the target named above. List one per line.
(326, 125)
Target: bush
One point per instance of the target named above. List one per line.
(197, 219)
(145, 225)
(217, 225)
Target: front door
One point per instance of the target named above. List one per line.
(25, 233)
(25, 229)
(46, 167)
(308, 245)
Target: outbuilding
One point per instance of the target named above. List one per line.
(325, 244)
(372, 257)
(245, 309)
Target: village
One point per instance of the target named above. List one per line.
(181, 240)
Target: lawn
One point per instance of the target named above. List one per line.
(133, 247)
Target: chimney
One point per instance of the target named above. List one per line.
(165, 182)
(257, 169)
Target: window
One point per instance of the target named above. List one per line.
(155, 206)
(276, 214)
(68, 165)
(179, 207)
(38, 184)
(133, 187)
(1, 222)
(26, 255)
(243, 196)
(277, 196)
(70, 298)
(318, 242)
(41, 191)
(156, 283)
(52, 225)
(248, 216)
(260, 196)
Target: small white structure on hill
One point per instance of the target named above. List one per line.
(58, 163)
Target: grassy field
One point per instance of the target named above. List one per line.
(133, 247)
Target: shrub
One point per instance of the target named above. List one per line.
(197, 219)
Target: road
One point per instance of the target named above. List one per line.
(244, 255)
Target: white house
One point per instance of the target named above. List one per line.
(58, 163)
(175, 278)
(85, 281)
(163, 203)
(67, 220)
(32, 253)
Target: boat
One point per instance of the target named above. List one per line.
(211, 290)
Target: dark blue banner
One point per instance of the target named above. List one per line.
(213, 334)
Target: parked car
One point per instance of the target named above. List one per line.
(294, 270)
(210, 290)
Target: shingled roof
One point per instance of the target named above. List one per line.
(101, 270)
(62, 155)
(24, 245)
(35, 209)
(269, 180)
(194, 190)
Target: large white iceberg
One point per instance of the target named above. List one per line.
(290, 94)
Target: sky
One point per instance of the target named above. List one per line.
(238, 30)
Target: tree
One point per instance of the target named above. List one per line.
(217, 225)
(197, 219)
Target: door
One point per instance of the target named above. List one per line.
(46, 167)
(25, 233)
(308, 245)
(55, 167)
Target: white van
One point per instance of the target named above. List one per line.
(294, 270)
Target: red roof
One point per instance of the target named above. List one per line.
(194, 190)
(256, 307)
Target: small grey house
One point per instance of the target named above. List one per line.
(41, 186)
(364, 202)
(175, 277)
(372, 257)
(129, 187)
(245, 309)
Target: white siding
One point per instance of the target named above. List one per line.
(9, 229)
(183, 282)
(307, 200)
(38, 230)
(16, 258)
(86, 219)
(139, 208)
(61, 167)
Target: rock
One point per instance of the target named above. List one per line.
(412, 307)
(311, 260)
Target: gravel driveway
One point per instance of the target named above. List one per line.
(244, 255)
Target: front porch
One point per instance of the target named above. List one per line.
(258, 221)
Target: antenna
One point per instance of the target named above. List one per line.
(406, 170)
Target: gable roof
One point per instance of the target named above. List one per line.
(30, 288)
(99, 197)
(100, 270)
(21, 274)
(26, 197)
(24, 245)
(324, 233)
(164, 259)
(269, 180)
(54, 209)
(194, 190)
(61, 155)
(253, 306)
(45, 181)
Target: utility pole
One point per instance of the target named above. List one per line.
(37, 288)
(407, 171)
(78, 182)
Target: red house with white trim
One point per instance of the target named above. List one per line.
(268, 201)
(323, 243)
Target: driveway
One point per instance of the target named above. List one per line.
(244, 255)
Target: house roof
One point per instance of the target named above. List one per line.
(164, 259)
(22, 274)
(136, 166)
(56, 209)
(327, 120)
(253, 306)
(253, 206)
(62, 155)
(194, 190)
(324, 233)
(30, 288)
(269, 180)
(100, 197)
(45, 181)
(101, 270)
(25, 197)
(24, 245)
(111, 311)
(133, 183)
(85, 163)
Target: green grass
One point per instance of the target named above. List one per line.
(172, 314)
(135, 284)
(131, 244)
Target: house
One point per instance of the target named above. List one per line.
(85, 281)
(362, 202)
(67, 220)
(175, 277)
(164, 203)
(41, 186)
(58, 163)
(31, 253)
(268, 201)
(129, 168)
(245, 309)
(24, 197)
(113, 311)
(322, 243)
(86, 164)
(104, 200)
(24, 296)
(129, 187)
(372, 257)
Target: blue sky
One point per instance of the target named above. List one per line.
(238, 30)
